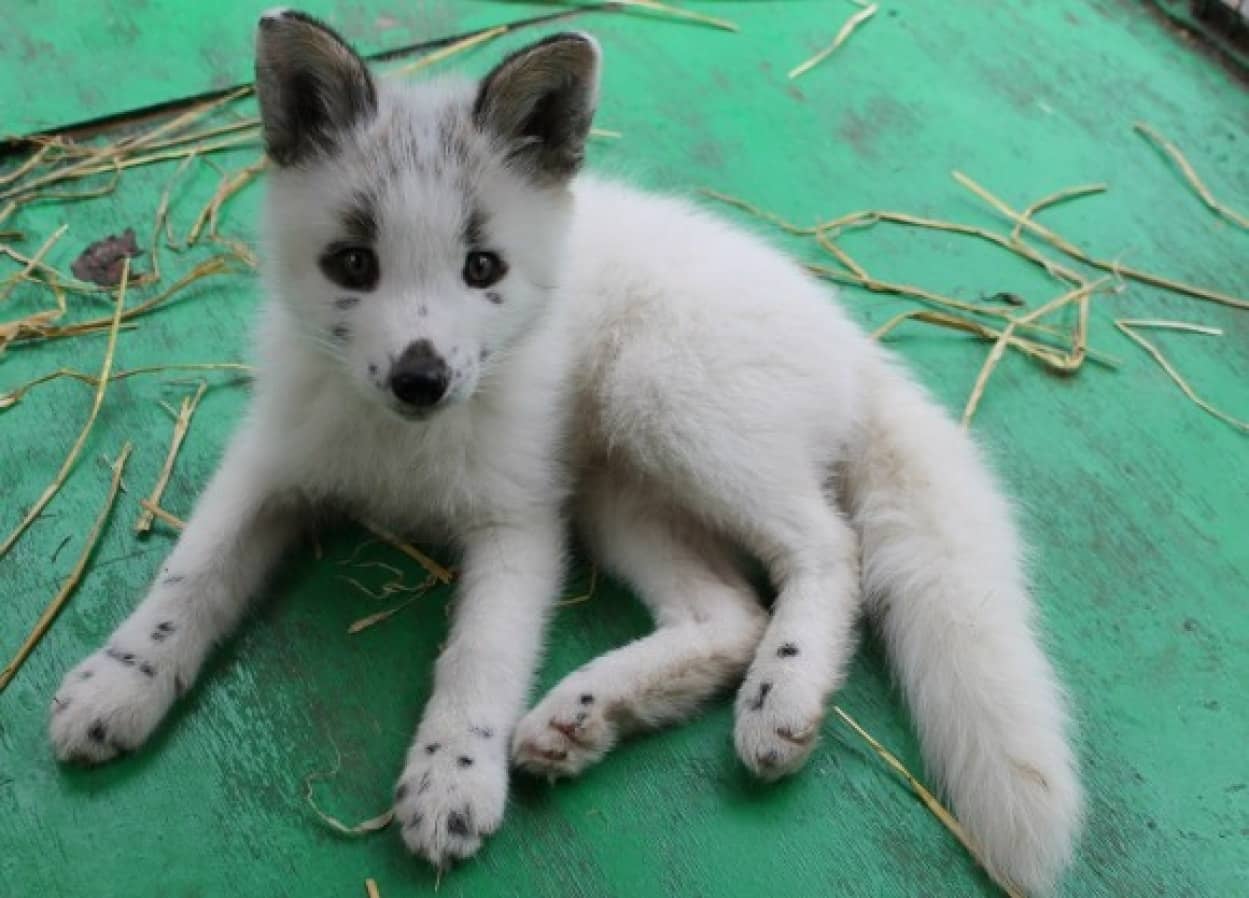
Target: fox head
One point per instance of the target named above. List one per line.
(414, 233)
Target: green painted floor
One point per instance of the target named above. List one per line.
(1136, 502)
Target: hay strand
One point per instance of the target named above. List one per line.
(1191, 176)
(97, 401)
(161, 515)
(676, 12)
(44, 623)
(1114, 267)
(181, 424)
(982, 379)
(929, 800)
(1128, 326)
(433, 568)
(448, 51)
(14, 396)
(227, 188)
(372, 825)
(1054, 199)
(370, 889)
(843, 35)
(32, 263)
(212, 266)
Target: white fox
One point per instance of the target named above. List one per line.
(463, 339)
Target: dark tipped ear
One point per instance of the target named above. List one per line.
(540, 102)
(310, 84)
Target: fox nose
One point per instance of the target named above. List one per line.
(420, 377)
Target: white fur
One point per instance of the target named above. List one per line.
(689, 394)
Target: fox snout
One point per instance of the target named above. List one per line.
(420, 377)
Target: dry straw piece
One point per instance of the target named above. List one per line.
(1128, 327)
(847, 29)
(67, 589)
(677, 12)
(181, 424)
(930, 801)
(211, 266)
(448, 51)
(1191, 176)
(370, 889)
(372, 825)
(230, 185)
(32, 263)
(161, 515)
(14, 396)
(101, 387)
(1114, 267)
(433, 568)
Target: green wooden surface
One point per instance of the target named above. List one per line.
(1136, 503)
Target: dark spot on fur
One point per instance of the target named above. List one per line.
(86, 675)
(475, 229)
(769, 758)
(172, 579)
(464, 761)
(59, 704)
(581, 716)
(483, 732)
(372, 368)
(126, 658)
(97, 733)
(459, 823)
(341, 332)
(147, 669)
(179, 685)
(432, 747)
(401, 792)
(423, 786)
(764, 689)
(484, 355)
(346, 302)
(163, 629)
(422, 311)
(587, 699)
(414, 821)
(788, 650)
(494, 297)
(359, 220)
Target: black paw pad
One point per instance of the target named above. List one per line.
(788, 650)
(587, 699)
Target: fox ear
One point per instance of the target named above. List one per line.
(540, 102)
(310, 84)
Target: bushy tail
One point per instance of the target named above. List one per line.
(943, 578)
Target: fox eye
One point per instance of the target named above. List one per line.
(481, 269)
(354, 267)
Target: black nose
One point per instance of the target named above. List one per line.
(420, 377)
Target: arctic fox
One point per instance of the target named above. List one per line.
(465, 339)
